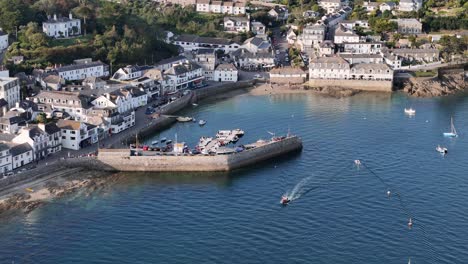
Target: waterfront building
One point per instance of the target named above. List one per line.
(207, 59)
(74, 104)
(76, 134)
(10, 90)
(220, 7)
(311, 37)
(169, 62)
(3, 41)
(236, 24)
(21, 155)
(130, 72)
(245, 59)
(184, 75)
(226, 72)
(361, 47)
(362, 58)
(339, 69)
(193, 42)
(421, 55)
(5, 158)
(82, 69)
(36, 138)
(62, 27)
(54, 144)
(408, 26)
(345, 35)
(258, 28)
(288, 75)
(409, 5)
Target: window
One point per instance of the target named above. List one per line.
(72, 138)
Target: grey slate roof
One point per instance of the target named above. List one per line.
(79, 66)
(51, 128)
(226, 67)
(3, 102)
(170, 60)
(18, 149)
(3, 146)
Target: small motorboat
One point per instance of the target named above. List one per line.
(154, 143)
(168, 142)
(195, 105)
(202, 122)
(441, 149)
(284, 200)
(163, 139)
(184, 119)
(410, 111)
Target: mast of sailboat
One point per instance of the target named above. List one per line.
(452, 127)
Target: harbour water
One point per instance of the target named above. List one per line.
(343, 216)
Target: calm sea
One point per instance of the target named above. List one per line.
(342, 213)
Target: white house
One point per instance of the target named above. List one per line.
(73, 103)
(237, 24)
(36, 138)
(193, 42)
(337, 68)
(288, 75)
(253, 61)
(279, 13)
(3, 41)
(312, 35)
(226, 73)
(362, 47)
(409, 5)
(54, 144)
(184, 75)
(258, 28)
(76, 135)
(387, 6)
(371, 6)
(220, 7)
(167, 63)
(82, 69)
(353, 24)
(207, 59)
(63, 27)
(130, 72)
(331, 6)
(10, 90)
(345, 35)
(21, 155)
(5, 158)
(256, 45)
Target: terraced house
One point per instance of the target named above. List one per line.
(221, 7)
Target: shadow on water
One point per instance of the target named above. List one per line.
(222, 179)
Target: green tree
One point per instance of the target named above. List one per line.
(41, 118)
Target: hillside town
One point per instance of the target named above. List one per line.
(51, 109)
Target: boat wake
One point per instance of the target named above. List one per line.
(301, 188)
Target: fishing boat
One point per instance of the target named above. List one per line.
(453, 131)
(410, 111)
(441, 149)
(184, 119)
(168, 142)
(284, 200)
(163, 139)
(202, 122)
(238, 132)
(156, 142)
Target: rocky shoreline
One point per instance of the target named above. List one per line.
(41, 193)
(445, 84)
(270, 89)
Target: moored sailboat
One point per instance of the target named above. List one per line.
(453, 131)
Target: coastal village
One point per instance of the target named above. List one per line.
(55, 110)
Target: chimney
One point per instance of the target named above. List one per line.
(55, 17)
(70, 16)
(17, 104)
(4, 110)
(108, 96)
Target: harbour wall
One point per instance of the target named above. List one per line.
(376, 86)
(219, 89)
(120, 159)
